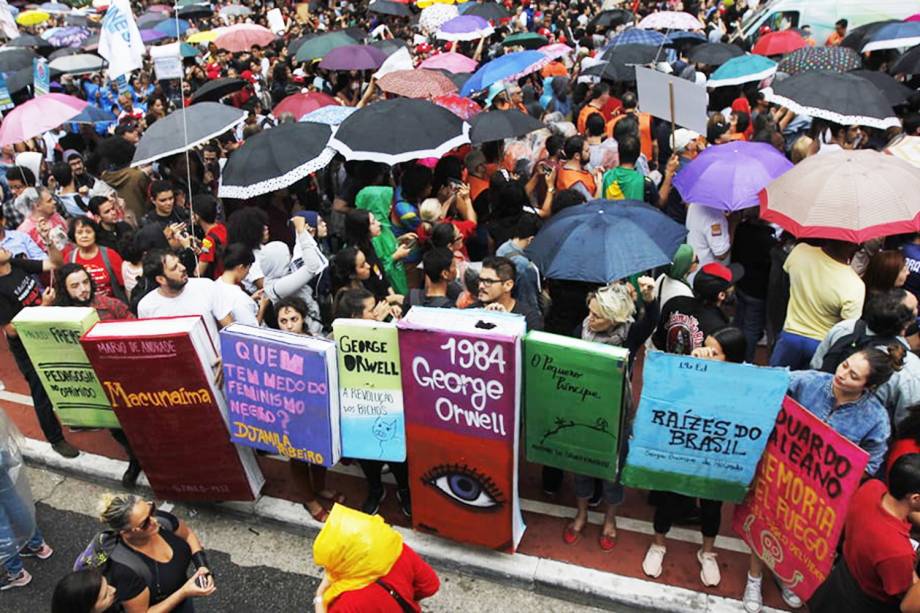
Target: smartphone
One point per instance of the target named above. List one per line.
(202, 581)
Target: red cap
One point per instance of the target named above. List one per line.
(720, 270)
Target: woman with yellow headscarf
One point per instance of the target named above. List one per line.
(368, 567)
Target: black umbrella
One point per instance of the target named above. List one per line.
(857, 38)
(79, 20)
(714, 54)
(29, 41)
(612, 18)
(91, 43)
(399, 130)
(276, 158)
(295, 44)
(895, 91)
(186, 128)
(909, 63)
(499, 125)
(16, 59)
(18, 80)
(621, 62)
(839, 97)
(387, 7)
(64, 52)
(359, 34)
(212, 91)
(457, 78)
(490, 11)
(195, 10)
(389, 46)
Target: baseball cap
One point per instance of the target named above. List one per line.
(682, 137)
(715, 277)
(312, 217)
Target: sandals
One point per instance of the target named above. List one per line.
(334, 497)
(607, 542)
(570, 536)
(321, 516)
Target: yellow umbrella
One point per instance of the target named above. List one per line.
(207, 36)
(32, 18)
(426, 3)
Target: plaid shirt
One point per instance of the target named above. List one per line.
(109, 308)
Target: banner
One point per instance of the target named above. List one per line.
(120, 41)
(167, 61)
(275, 21)
(6, 101)
(461, 384)
(41, 76)
(702, 425)
(370, 390)
(796, 509)
(51, 336)
(573, 399)
(689, 103)
(282, 393)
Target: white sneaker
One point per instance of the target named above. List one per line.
(709, 574)
(753, 596)
(654, 557)
(789, 597)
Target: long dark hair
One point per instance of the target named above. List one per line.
(77, 592)
(358, 229)
(342, 267)
(61, 295)
(246, 226)
(733, 343)
(882, 364)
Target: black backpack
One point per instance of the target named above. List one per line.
(850, 343)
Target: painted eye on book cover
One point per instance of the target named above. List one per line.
(465, 485)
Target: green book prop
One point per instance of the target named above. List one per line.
(574, 393)
(51, 336)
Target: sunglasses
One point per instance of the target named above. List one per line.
(151, 517)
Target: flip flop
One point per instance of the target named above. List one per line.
(336, 497)
(606, 542)
(321, 516)
(571, 536)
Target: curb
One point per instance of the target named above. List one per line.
(548, 577)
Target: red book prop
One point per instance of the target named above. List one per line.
(159, 375)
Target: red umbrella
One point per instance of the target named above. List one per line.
(299, 105)
(464, 108)
(416, 84)
(779, 43)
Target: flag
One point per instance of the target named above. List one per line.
(7, 24)
(120, 42)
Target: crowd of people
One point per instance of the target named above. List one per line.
(81, 226)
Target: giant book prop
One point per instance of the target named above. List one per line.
(797, 506)
(702, 425)
(282, 393)
(461, 377)
(370, 390)
(51, 336)
(159, 375)
(573, 403)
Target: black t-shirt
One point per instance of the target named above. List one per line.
(20, 288)
(153, 217)
(532, 315)
(111, 238)
(685, 323)
(751, 248)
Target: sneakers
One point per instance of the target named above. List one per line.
(42, 553)
(21, 580)
(789, 597)
(654, 557)
(753, 596)
(372, 503)
(65, 449)
(405, 502)
(709, 573)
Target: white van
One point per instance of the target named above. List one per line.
(820, 15)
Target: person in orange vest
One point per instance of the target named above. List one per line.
(839, 33)
(597, 100)
(572, 174)
(630, 107)
(477, 173)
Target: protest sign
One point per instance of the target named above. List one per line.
(673, 99)
(796, 509)
(282, 393)
(41, 76)
(461, 384)
(276, 21)
(702, 425)
(159, 375)
(51, 336)
(167, 61)
(573, 400)
(370, 390)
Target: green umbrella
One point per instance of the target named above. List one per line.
(316, 48)
(187, 50)
(528, 40)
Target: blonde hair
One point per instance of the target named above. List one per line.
(801, 149)
(616, 303)
(115, 510)
(430, 210)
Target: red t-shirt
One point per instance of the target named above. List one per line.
(877, 546)
(410, 576)
(213, 242)
(96, 268)
(898, 449)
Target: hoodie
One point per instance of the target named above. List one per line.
(280, 282)
(378, 200)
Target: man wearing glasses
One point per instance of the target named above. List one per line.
(496, 288)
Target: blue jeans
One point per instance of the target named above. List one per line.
(794, 351)
(751, 318)
(15, 518)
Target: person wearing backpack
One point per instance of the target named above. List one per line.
(102, 263)
(144, 554)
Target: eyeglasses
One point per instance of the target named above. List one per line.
(488, 282)
(144, 525)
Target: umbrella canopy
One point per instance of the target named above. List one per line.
(319, 46)
(195, 10)
(152, 36)
(299, 105)
(893, 36)
(622, 61)
(82, 63)
(387, 7)
(32, 18)
(906, 148)
(742, 69)
(490, 11)
(681, 37)
(671, 20)
(909, 63)
(509, 66)
(499, 125)
(849, 195)
(71, 36)
(895, 92)
(235, 10)
(28, 41)
(64, 52)
(433, 17)
(184, 129)
(625, 237)
(242, 37)
(465, 27)
(464, 108)
(612, 18)
(208, 36)
(18, 80)
(838, 97)
(453, 62)
(779, 43)
(276, 158)
(37, 116)
(638, 36)
(173, 28)
(329, 115)
(93, 115)
(528, 40)
(418, 83)
(555, 50)
(729, 177)
(187, 50)
(459, 78)
(859, 36)
(353, 57)
(55, 8)
(12, 60)
(149, 20)
(838, 59)
(389, 46)
(212, 91)
(714, 54)
(399, 130)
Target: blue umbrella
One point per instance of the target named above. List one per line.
(511, 65)
(683, 37)
(893, 36)
(638, 36)
(330, 115)
(170, 28)
(93, 114)
(605, 240)
(742, 69)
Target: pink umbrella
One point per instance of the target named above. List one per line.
(37, 116)
(160, 8)
(452, 62)
(555, 50)
(242, 37)
(416, 83)
(302, 104)
(914, 17)
(464, 108)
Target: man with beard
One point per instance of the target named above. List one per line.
(75, 287)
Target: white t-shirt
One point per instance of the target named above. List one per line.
(255, 273)
(707, 233)
(199, 297)
(243, 307)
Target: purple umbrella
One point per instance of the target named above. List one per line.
(353, 57)
(465, 27)
(728, 177)
(151, 36)
(71, 36)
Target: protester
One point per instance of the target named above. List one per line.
(103, 264)
(111, 231)
(496, 286)
(83, 591)
(163, 203)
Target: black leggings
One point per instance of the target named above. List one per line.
(672, 505)
(373, 470)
